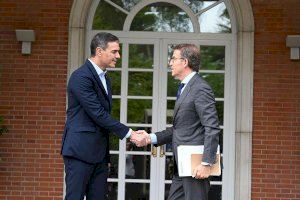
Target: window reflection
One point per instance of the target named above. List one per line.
(141, 55)
(136, 191)
(172, 85)
(126, 4)
(162, 17)
(112, 191)
(115, 113)
(169, 170)
(215, 20)
(115, 80)
(212, 57)
(108, 17)
(113, 142)
(197, 5)
(139, 111)
(114, 163)
(170, 111)
(215, 192)
(140, 83)
(216, 81)
(137, 166)
(220, 110)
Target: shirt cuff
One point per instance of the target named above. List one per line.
(206, 164)
(153, 138)
(129, 133)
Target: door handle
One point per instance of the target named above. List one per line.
(162, 151)
(154, 151)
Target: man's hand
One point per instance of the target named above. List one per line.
(201, 171)
(140, 138)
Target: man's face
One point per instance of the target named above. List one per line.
(177, 64)
(110, 55)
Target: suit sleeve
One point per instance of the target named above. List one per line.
(82, 88)
(164, 137)
(206, 110)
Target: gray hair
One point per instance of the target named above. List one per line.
(190, 52)
(101, 40)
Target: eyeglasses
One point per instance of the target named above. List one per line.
(172, 59)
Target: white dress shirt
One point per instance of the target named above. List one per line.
(101, 74)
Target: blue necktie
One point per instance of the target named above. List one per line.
(181, 85)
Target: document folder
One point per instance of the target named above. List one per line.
(191, 156)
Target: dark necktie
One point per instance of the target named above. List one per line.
(181, 85)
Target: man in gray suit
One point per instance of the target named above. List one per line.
(195, 122)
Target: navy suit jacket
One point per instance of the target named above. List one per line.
(88, 124)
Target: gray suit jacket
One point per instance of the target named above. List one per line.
(195, 120)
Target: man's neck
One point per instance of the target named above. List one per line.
(185, 74)
(95, 60)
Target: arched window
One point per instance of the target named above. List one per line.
(164, 16)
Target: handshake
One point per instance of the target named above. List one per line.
(140, 138)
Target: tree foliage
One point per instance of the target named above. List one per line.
(162, 17)
(226, 26)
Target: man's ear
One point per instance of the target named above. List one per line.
(186, 63)
(98, 51)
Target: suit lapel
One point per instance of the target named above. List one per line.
(109, 94)
(183, 95)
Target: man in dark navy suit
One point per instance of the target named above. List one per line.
(85, 142)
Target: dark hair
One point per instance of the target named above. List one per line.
(190, 52)
(101, 40)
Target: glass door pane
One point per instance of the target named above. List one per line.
(139, 115)
(213, 71)
(133, 94)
